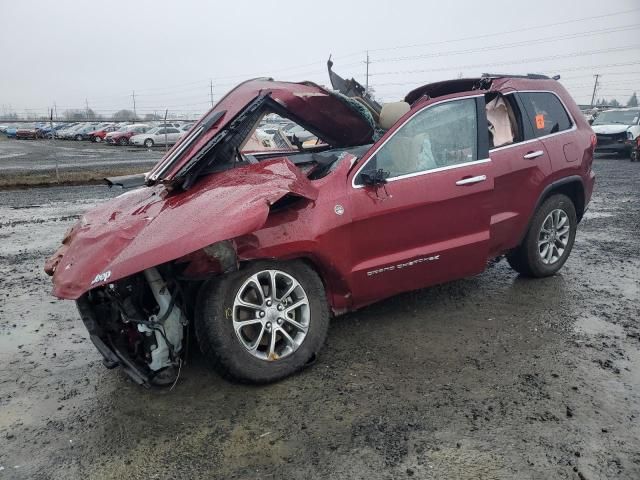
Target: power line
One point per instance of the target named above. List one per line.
(506, 32)
(510, 45)
(514, 62)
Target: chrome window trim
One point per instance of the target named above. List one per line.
(434, 170)
(421, 172)
(531, 140)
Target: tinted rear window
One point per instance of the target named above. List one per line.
(546, 112)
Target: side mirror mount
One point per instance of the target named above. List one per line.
(374, 178)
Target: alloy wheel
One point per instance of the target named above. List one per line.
(271, 315)
(554, 236)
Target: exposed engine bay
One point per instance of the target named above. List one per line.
(141, 319)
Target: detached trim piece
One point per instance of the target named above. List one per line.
(127, 181)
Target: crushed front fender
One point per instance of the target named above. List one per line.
(150, 226)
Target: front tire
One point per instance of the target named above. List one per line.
(548, 241)
(262, 323)
(148, 143)
(123, 142)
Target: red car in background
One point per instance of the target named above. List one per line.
(123, 134)
(256, 250)
(26, 134)
(97, 136)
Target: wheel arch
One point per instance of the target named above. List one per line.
(338, 297)
(571, 186)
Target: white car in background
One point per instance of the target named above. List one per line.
(617, 131)
(157, 136)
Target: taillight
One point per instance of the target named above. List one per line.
(594, 142)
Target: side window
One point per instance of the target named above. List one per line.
(172, 130)
(439, 136)
(546, 113)
(161, 131)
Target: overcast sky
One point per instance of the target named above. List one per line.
(72, 51)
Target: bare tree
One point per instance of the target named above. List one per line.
(127, 115)
(633, 101)
(75, 115)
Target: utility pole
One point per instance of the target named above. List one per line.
(55, 109)
(211, 91)
(86, 105)
(366, 85)
(133, 95)
(595, 87)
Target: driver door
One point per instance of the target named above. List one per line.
(429, 223)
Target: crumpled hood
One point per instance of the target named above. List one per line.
(609, 129)
(150, 226)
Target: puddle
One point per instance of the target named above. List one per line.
(593, 325)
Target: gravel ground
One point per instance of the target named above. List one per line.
(494, 376)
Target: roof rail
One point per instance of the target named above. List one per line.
(530, 76)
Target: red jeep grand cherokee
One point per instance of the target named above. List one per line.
(255, 251)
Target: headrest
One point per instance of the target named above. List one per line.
(391, 113)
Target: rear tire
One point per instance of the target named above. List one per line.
(148, 143)
(245, 353)
(548, 243)
(123, 142)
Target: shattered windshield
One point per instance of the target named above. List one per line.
(276, 133)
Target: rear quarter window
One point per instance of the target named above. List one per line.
(546, 113)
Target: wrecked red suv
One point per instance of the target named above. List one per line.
(256, 250)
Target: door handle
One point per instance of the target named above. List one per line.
(472, 180)
(532, 155)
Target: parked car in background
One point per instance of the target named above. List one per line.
(617, 130)
(156, 136)
(53, 133)
(10, 131)
(122, 135)
(26, 133)
(98, 135)
(69, 132)
(83, 132)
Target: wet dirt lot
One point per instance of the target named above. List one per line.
(494, 376)
(31, 155)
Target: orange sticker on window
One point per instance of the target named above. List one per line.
(540, 121)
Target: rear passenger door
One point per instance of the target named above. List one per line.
(520, 169)
(553, 125)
